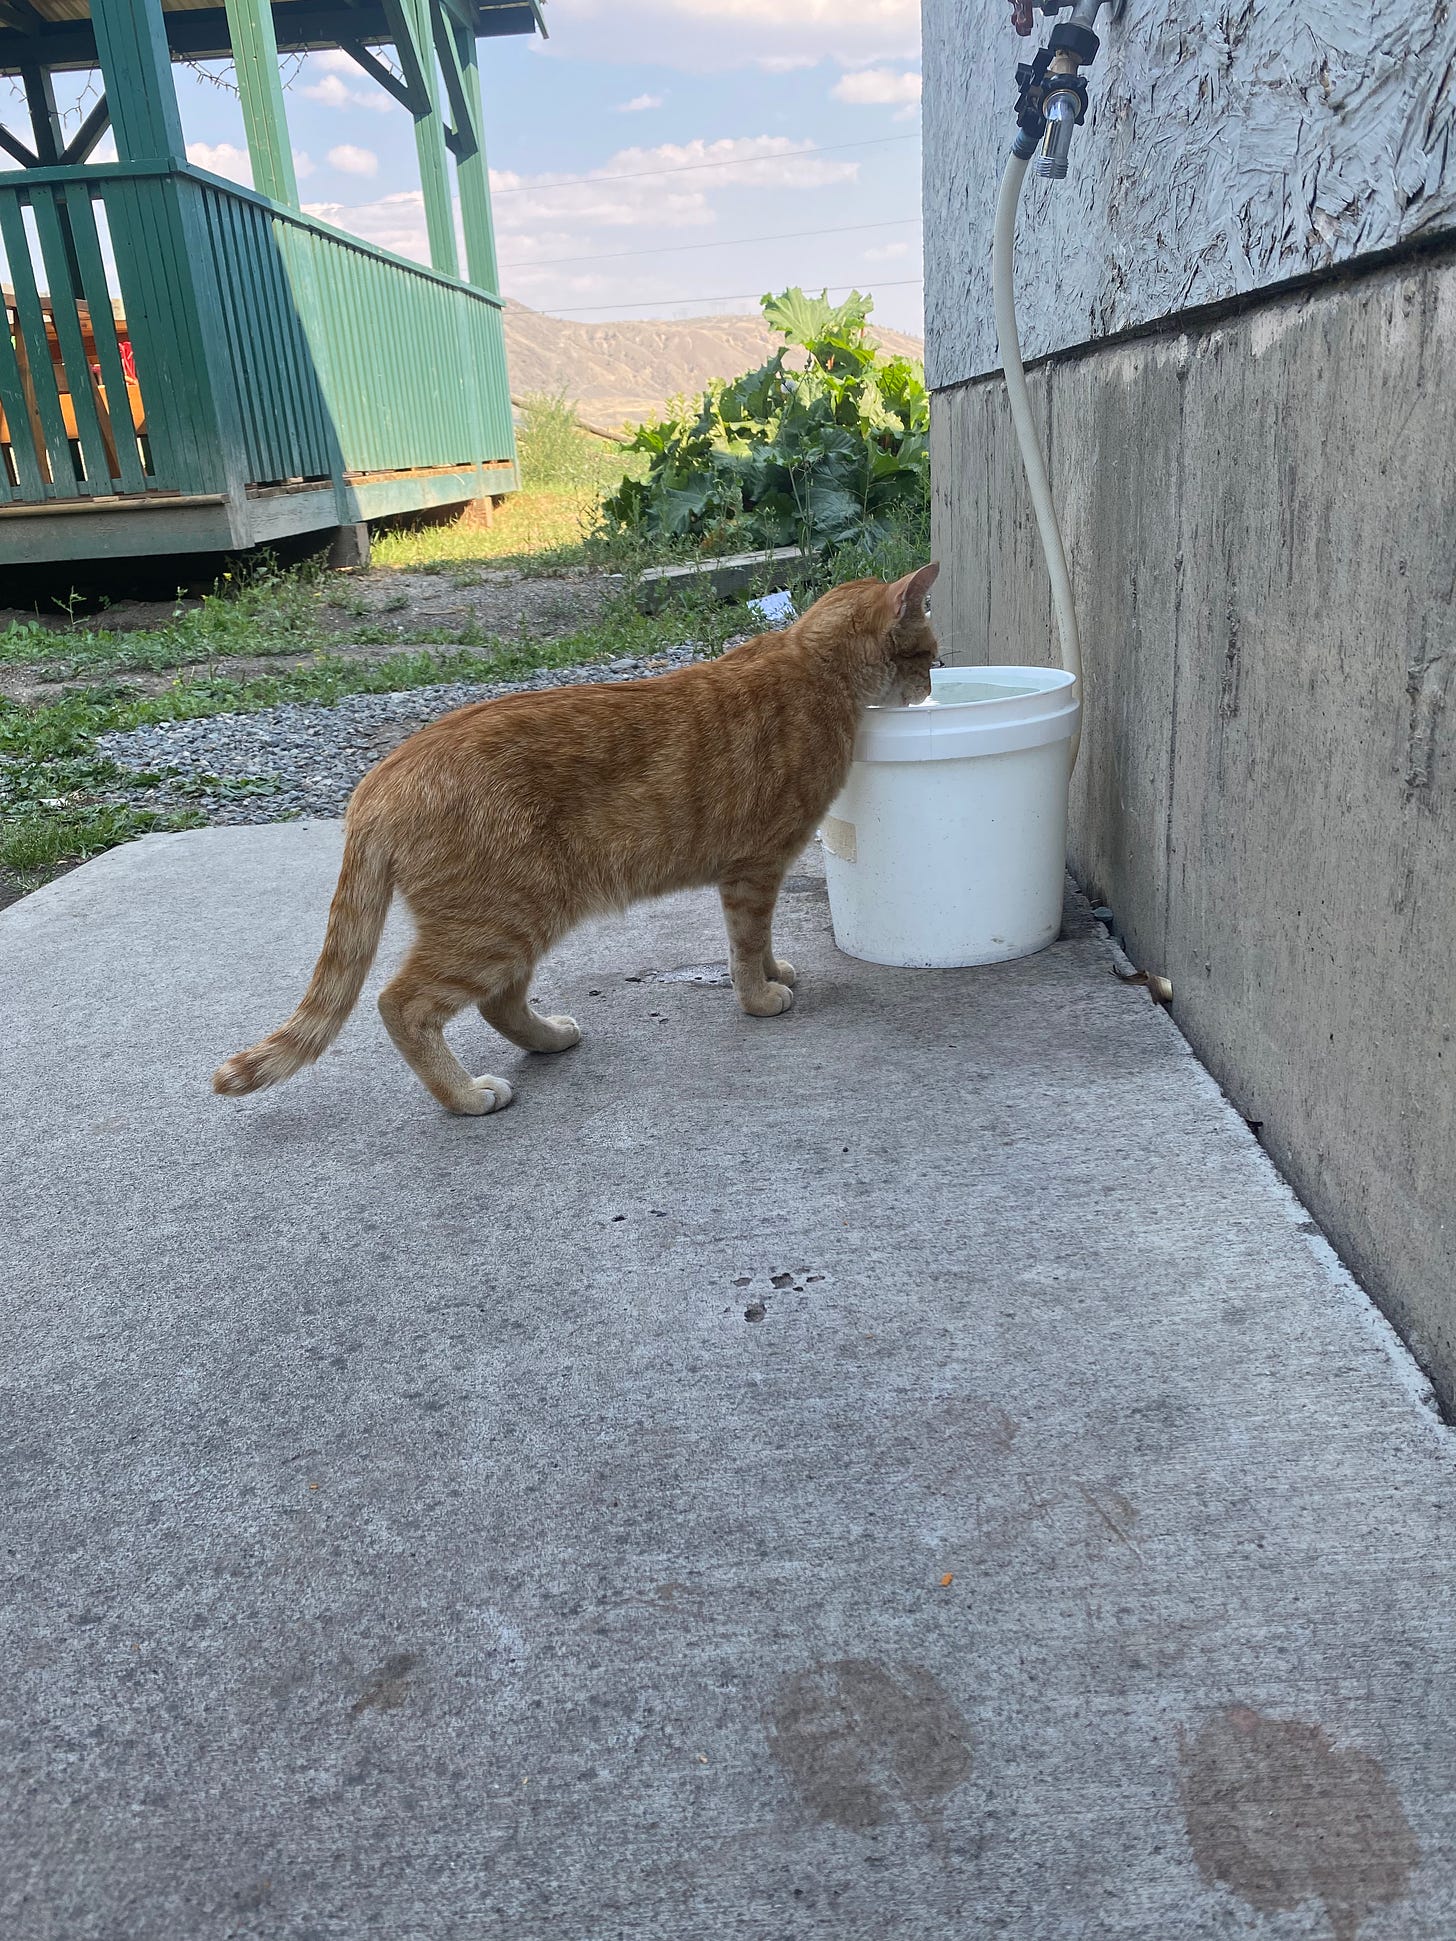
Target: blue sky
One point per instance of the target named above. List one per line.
(756, 83)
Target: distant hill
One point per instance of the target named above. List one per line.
(620, 373)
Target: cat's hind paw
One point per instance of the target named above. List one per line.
(563, 1033)
(783, 972)
(769, 1002)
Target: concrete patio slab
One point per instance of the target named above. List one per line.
(905, 1469)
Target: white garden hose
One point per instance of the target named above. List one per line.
(1002, 254)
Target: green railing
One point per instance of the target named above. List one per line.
(242, 344)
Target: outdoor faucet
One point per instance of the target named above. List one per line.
(1053, 97)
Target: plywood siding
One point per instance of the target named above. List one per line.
(1229, 148)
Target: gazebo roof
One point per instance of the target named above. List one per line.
(57, 34)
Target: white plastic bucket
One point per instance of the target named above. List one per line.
(948, 844)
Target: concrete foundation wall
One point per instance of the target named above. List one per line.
(1261, 522)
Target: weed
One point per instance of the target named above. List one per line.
(557, 454)
(240, 788)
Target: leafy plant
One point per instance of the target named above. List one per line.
(821, 446)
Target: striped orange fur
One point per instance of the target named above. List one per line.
(505, 824)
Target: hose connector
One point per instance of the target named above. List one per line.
(1061, 118)
(1052, 98)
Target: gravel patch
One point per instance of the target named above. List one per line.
(304, 759)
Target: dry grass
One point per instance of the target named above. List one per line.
(532, 530)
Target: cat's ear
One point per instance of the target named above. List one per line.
(908, 596)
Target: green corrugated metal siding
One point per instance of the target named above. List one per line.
(267, 346)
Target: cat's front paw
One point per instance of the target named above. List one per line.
(486, 1094)
(783, 972)
(768, 1002)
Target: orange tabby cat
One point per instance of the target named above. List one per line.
(506, 823)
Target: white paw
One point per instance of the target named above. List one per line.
(487, 1094)
(785, 973)
(566, 1032)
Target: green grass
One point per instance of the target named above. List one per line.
(552, 524)
(33, 842)
(259, 610)
(557, 455)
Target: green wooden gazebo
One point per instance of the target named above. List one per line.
(192, 366)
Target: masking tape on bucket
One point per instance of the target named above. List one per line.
(840, 839)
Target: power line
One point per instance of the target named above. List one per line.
(673, 249)
(686, 168)
(737, 296)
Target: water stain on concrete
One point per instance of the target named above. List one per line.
(1279, 1814)
(384, 1689)
(1114, 1512)
(860, 1738)
(710, 976)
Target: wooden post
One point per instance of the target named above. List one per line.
(430, 144)
(45, 122)
(164, 262)
(255, 56)
(349, 547)
(473, 172)
(131, 45)
(50, 148)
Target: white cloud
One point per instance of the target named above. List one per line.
(540, 217)
(222, 158)
(226, 158)
(666, 187)
(754, 161)
(707, 36)
(354, 161)
(395, 222)
(638, 104)
(784, 63)
(847, 18)
(333, 94)
(886, 252)
(878, 87)
(330, 90)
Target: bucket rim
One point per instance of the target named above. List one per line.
(1040, 705)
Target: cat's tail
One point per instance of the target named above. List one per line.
(356, 921)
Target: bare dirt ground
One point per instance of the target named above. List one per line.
(497, 601)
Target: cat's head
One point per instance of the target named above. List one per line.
(910, 646)
(882, 631)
